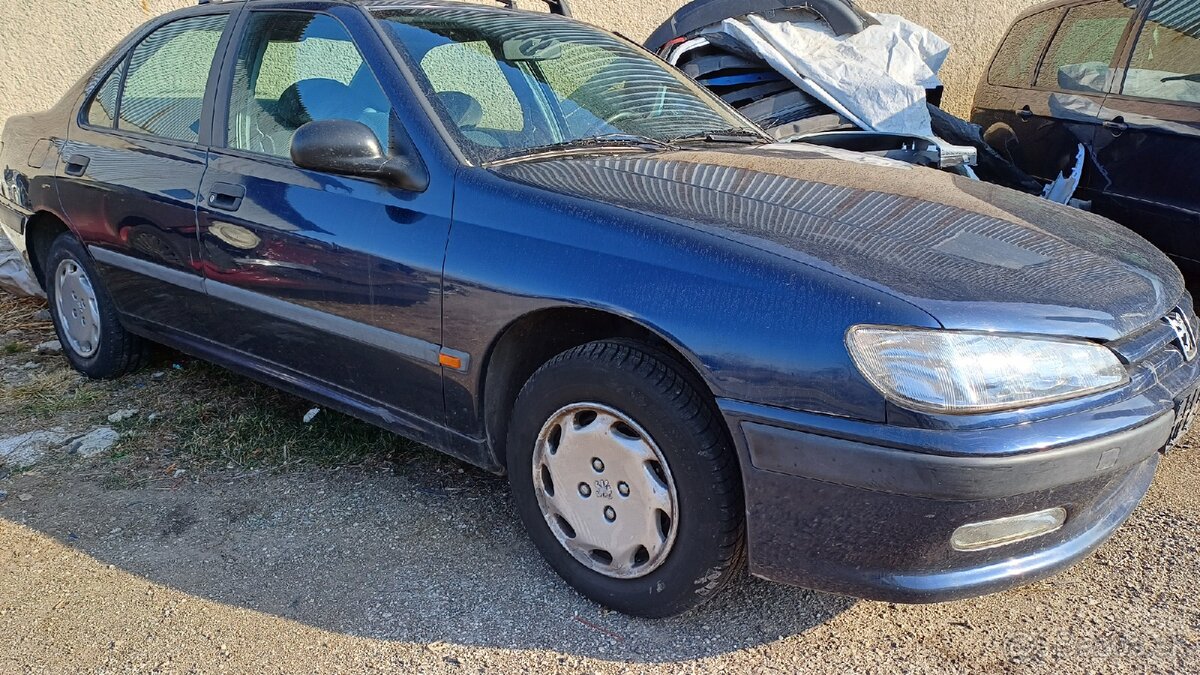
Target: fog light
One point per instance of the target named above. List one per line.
(1004, 531)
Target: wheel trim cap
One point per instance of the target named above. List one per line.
(77, 309)
(605, 490)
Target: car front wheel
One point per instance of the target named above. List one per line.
(626, 480)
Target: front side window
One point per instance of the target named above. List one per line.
(1166, 60)
(510, 84)
(1080, 56)
(1018, 56)
(168, 74)
(294, 68)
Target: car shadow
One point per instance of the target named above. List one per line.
(427, 552)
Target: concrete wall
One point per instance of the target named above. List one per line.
(46, 45)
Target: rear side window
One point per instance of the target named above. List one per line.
(1083, 49)
(168, 73)
(103, 110)
(295, 68)
(1018, 56)
(1166, 61)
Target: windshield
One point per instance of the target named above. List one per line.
(511, 84)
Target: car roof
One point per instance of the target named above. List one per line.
(369, 4)
(428, 3)
(1057, 4)
(209, 6)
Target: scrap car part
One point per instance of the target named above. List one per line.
(919, 150)
(560, 7)
(788, 112)
(843, 16)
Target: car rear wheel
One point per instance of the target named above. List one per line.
(84, 315)
(626, 480)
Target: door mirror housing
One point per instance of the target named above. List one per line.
(349, 148)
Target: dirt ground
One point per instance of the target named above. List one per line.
(222, 533)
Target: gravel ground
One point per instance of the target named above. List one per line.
(414, 563)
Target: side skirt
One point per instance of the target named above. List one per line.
(470, 450)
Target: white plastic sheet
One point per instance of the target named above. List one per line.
(1063, 188)
(14, 275)
(876, 78)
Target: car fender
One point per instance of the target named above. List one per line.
(755, 325)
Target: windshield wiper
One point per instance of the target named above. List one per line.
(615, 140)
(744, 135)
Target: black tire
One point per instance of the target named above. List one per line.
(659, 396)
(119, 351)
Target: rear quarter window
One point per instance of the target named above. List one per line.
(103, 110)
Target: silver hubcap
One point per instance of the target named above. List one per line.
(605, 490)
(75, 302)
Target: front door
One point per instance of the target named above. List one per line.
(334, 280)
(130, 170)
(1149, 148)
(1061, 112)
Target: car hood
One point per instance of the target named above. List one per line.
(971, 254)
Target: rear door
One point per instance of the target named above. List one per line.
(1010, 77)
(1062, 109)
(336, 280)
(1149, 148)
(132, 165)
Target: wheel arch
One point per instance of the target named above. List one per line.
(41, 231)
(537, 337)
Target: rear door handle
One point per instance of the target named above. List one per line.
(77, 165)
(226, 196)
(1117, 126)
(1025, 113)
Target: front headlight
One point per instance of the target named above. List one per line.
(970, 372)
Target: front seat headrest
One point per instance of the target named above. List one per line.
(308, 100)
(465, 111)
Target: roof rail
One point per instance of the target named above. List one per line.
(559, 7)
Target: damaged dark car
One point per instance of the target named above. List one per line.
(1106, 95)
(530, 244)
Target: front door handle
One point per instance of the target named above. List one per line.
(1025, 113)
(77, 165)
(226, 196)
(1117, 126)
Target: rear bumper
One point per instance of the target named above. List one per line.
(869, 519)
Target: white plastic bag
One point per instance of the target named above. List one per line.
(14, 275)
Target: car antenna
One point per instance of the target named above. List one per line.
(559, 7)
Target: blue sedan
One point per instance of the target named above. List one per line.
(530, 244)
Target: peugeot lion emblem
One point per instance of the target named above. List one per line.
(1185, 333)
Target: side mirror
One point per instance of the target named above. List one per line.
(349, 148)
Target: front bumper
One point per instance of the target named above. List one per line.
(833, 509)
